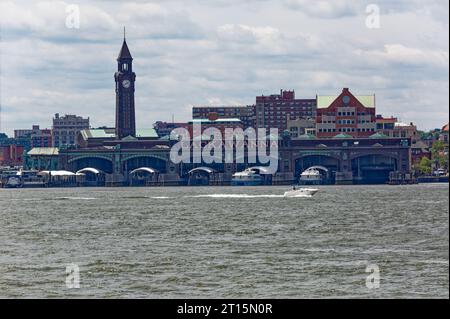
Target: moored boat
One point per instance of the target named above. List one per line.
(247, 177)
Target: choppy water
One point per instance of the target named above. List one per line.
(225, 242)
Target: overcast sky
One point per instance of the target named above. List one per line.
(220, 52)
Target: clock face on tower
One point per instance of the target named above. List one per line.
(126, 83)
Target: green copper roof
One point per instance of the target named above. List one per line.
(111, 133)
(307, 137)
(226, 120)
(45, 151)
(98, 133)
(342, 135)
(324, 101)
(378, 135)
(146, 132)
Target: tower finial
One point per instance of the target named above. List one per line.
(123, 33)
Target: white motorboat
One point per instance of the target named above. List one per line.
(301, 192)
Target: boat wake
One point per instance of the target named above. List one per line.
(72, 198)
(236, 196)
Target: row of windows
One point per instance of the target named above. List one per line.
(291, 103)
(346, 129)
(346, 113)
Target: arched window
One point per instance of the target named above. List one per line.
(125, 67)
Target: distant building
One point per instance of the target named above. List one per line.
(391, 127)
(443, 136)
(385, 124)
(66, 128)
(11, 155)
(218, 123)
(22, 133)
(274, 110)
(34, 137)
(164, 128)
(419, 150)
(244, 113)
(345, 114)
(405, 130)
(299, 127)
(40, 137)
(270, 111)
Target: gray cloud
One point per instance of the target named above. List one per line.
(200, 52)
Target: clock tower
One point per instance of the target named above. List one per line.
(125, 78)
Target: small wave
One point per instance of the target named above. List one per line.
(72, 198)
(146, 197)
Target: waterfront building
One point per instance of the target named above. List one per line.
(345, 114)
(274, 110)
(123, 155)
(66, 128)
(42, 158)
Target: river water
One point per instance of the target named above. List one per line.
(225, 242)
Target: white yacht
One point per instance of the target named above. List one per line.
(311, 177)
(301, 192)
(247, 177)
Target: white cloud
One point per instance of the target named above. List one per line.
(202, 52)
(325, 8)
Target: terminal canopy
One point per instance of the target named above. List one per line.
(144, 169)
(202, 169)
(89, 170)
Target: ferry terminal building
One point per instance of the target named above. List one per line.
(124, 152)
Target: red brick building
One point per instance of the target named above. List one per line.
(275, 110)
(345, 114)
(272, 111)
(11, 155)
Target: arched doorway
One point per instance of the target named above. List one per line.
(201, 176)
(144, 161)
(99, 163)
(92, 176)
(373, 169)
(328, 164)
(144, 176)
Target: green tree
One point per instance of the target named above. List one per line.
(425, 166)
(438, 156)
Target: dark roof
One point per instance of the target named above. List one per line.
(124, 52)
